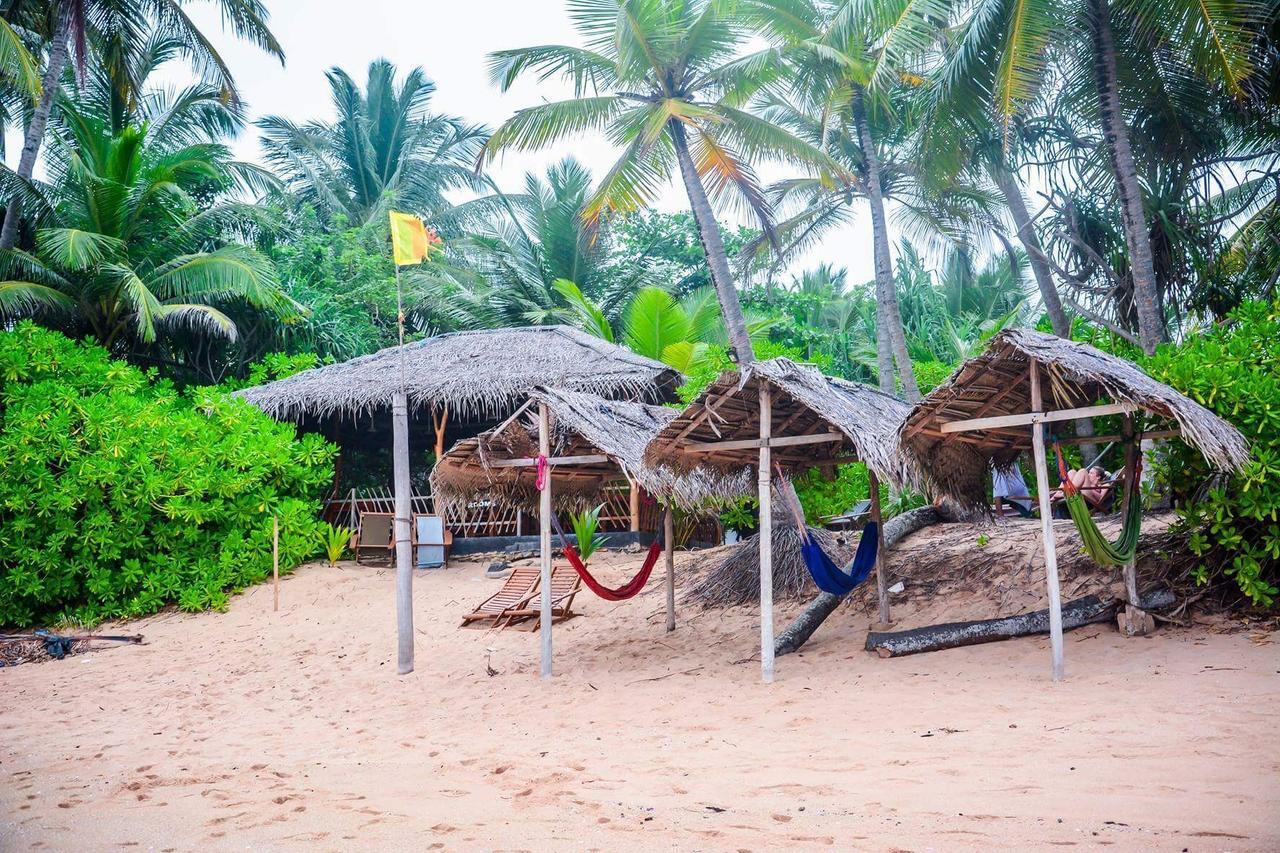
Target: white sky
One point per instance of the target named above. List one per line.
(450, 41)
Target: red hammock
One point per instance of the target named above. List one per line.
(630, 589)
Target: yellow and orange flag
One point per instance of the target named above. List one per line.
(411, 241)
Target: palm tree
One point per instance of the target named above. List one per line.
(665, 80)
(385, 148)
(119, 31)
(128, 244)
(1004, 54)
(849, 62)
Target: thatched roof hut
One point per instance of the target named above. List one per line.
(861, 422)
(479, 374)
(1075, 375)
(608, 436)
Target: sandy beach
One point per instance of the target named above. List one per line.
(259, 730)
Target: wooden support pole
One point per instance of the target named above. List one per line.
(882, 582)
(544, 539)
(404, 545)
(1046, 529)
(765, 483)
(1130, 475)
(635, 507)
(669, 547)
(275, 559)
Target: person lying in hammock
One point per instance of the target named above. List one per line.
(1096, 487)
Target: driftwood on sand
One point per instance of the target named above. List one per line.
(825, 604)
(1075, 614)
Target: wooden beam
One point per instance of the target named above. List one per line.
(1038, 417)
(544, 540)
(668, 546)
(882, 583)
(765, 485)
(1046, 531)
(529, 461)
(752, 443)
(403, 536)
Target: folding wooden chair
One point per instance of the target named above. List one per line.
(515, 593)
(565, 584)
(431, 541)
(376, 533)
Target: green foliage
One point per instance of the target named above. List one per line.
(715, 360)
(931, 374)
(822, 497)
(119, 495)
(334, 539)
(585, 525)
(1233, 369)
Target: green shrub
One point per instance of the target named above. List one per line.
(118, 495)
(334, 540)
(585, 525)
(1233, 369)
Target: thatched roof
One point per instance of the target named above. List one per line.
(804, 402)
(478, 374)
(1073, 375)
(581, 425)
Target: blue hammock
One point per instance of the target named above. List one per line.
(828, 576)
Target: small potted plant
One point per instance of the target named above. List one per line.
(585, 528)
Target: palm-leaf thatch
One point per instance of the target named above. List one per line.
(581, 425)
(1073, 375)
(477, 374)
(804, 402)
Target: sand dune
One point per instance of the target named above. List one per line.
(261, 730)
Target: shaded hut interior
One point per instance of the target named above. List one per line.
(458, 385)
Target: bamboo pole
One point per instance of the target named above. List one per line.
(635, 507)
(669, 546)
(544, 539)
(275, 560)
(882, 582)
(765, 483)
(1046, 529)
(404, 548)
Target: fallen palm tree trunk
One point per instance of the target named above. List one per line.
(895, 529)
(950, 635)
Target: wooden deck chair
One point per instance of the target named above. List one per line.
(376, 533)
(431, 541)
(520, 586)
(565, 585)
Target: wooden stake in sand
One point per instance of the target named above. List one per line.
(1046, 526)
(766, 535)
(544, 537)
(882, 582)
(275, 559)
(669, 545)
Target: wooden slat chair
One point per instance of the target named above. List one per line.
(376, 533)
(520, 586)
(565, 585)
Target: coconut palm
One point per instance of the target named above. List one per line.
(385, 149)
(665, 80)
(1003, 57)
(128, 245)
(118, 31)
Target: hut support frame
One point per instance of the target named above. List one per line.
(766, 535)
(544, 538)
(404, 546)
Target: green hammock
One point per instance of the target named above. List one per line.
(1096, 545)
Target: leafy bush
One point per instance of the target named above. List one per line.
(1233, 369)
(334, 540)
(118, 495)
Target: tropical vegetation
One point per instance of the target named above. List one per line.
(1106, 169)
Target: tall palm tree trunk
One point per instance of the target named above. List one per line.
(713, 246)
(891, 339)
(1146, 297)
(50, 83)
(1008, 185)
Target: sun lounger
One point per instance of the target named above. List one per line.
(376, 533)
(565, 584)
(431, 541)
(520, 586)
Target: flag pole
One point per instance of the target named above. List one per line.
(400, 467)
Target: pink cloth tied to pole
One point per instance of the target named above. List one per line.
(541, 482)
